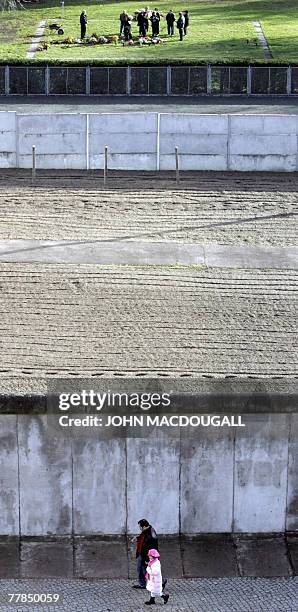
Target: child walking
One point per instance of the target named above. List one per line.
(154, 578)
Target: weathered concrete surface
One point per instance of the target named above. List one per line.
(224, 208)
(179, 104)
(156, 253)
(99, 559)
(99, 486)
(153, 466)
(9, 557)
(260, 489)
(146, 141)
(138, 320)
(292, 543)
(9, 487)
(262, 556)
(292, 501)
(250, 257)
(208, 556)
(202, 471)
(46, 559)
(170, 551)
(45, 478)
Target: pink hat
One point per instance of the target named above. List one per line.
(153, 553)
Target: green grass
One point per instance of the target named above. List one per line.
(218, 32)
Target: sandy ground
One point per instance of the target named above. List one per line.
(227, 208)
(87, 319)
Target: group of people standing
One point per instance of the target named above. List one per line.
(145, 17)
(182, 23)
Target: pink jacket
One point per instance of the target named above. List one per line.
(154, 578)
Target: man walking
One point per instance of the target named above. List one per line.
(145, 541)
(170, 19)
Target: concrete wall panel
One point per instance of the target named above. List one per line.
(55, 162)
(9, 489)
(207, 481)
(45, 478)
(123, 123)
(263, 145)
(266, 124)
(153, 482)
(212, 144)
(7, 121)
(262, 163)
(125, 161)
(7, 142)
(194, 162)
(54, 123)
(123, 143)
(177, 123)
(51, 144)
(206, 142)
(99, 482)
(261, 455)
(292, 501)
(7, 160)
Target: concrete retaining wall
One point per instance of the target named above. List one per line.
(216, 480)
(147, 141)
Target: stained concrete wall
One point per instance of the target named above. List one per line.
(147, 141)
(216, 480)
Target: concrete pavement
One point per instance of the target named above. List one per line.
(205, 595)
(148, 253)
(161, 104)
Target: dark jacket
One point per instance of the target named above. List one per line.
(186, 20)
(146, 540)
(83, 19)
(180, 23)
(170, 18)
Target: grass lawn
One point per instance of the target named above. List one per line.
(218, 32)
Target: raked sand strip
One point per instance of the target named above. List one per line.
(36, 40)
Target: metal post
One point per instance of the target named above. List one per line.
(177, 165)
(289, 81)
(105, 169)
(33, 164)
(249, 75)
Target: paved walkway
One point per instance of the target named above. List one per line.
(149, 253)
(36, 39)
(179, 104)
(205, 595)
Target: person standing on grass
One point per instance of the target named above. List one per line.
(155, 19)
(83, 22)
(186, 22)
(170, 19)
(154, 578)
(180, 25)
(122, 18)
(141, 23)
